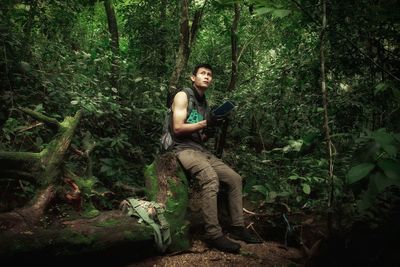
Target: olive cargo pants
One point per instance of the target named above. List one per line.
(209, 172)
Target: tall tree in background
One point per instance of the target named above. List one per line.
(234, 73)
(187, 36)
(325, 103)
(234, 48)
(113, 29)
(163, 30)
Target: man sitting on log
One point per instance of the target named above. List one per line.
(189, 135)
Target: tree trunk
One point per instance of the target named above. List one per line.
(163, 34)
(234, 75)
(45, 166)
(78, 237)
(27, 232)
(183, 52)
(187, 36)
(113, 29)
(326, 117)
(234, 49)
(166, 183)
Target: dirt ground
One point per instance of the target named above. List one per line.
(265, 254)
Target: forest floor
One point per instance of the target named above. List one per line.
(265, 254)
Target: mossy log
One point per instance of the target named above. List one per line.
(24, 233)
(109, 230)
(45, 166)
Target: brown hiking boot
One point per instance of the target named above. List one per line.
(224, 244)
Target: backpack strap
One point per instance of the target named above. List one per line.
(191, 99)
(162, 235)
(192, 102)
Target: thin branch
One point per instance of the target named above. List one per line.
(30, 127)
(51, 122)
(20, 156)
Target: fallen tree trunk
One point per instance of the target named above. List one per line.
(44, 165)
(111, 229)
(24, 231)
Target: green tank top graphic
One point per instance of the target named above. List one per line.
(194, 117)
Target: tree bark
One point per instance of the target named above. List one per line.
(234, 48)
(163, 35)
(187, 36)
(77, 237)
(234, 75)
(26, 231)
(46, 167)
(326, 117)
(166, 183)
(113, 30)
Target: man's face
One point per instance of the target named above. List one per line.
(202, 79)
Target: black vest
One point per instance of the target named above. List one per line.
(197, 111)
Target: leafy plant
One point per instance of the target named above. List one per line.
(379, 167)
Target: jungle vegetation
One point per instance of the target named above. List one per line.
(316, 83)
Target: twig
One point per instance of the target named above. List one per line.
(252, 228)
(30, 127)
(254, 213)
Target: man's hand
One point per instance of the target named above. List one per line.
(215, 121)
(209, 132)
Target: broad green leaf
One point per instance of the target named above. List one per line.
(296, 144)
(306, 189)
(390, 149)
(382, 137)
(260, 188)
(358, 172)
(262, 11)
(391, 168)
(277, 13)
(280, 13)
(90, 212)
(293, 177)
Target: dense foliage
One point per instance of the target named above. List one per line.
(56, 57)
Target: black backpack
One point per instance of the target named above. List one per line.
(166, 140)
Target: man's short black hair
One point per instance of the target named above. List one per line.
(202, 65)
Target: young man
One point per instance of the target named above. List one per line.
(189, 133)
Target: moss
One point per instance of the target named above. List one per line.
(76, 238)
(90, 211)
(140, 233)
(151, 182)
(20, 156)
(176, 200)
(129, 235)
(108, 223)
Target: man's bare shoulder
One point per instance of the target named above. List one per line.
(180, 101)
(180, 98)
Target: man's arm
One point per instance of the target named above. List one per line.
(179, 108)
